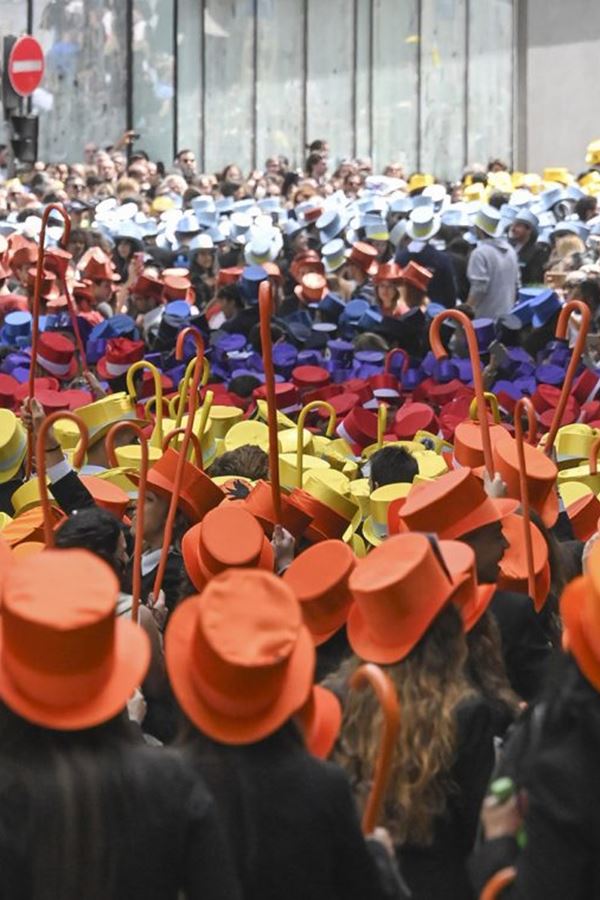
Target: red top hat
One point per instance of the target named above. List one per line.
(312, 288)
(8, 387)
(413, 417)
(272, 270)
(359, 429)
(13, 303)
(342, 403)
(56, 355)
(310, 377)
(95, 265)
(49, 289)
(390, 271)
(287, 398)
(146, 286)
(418, 276)
(307, 261)
(365, 257)
(147, 385)
(120, 354)
(176, 287)
(324, 393)
(586, 387)
(360, 387)
(229, 275)
(39, 384)
(57, 260)
(24, 255)
(52, 400)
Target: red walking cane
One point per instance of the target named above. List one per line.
(265, 300)
(192, 406)
(139, 510)
(497, 883)
(35, 312)
(41, 463)
(60, 260)
(372, 675)
(524, 405)
(438, 349)
(397, 351)
(561, 332)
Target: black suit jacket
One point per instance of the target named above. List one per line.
(525, 644)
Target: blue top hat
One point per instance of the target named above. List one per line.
(572, 227)
(331, 307)
(334, 255)
(284, 357)
(330, 224)
(465, 370)
(342, 353)
(526, 385)
(548, 199)
(291, 227)
(227, 343)
(528, 218)
(444, 370)
(16, 331)
(179, 308)
(310, 358)
(402, 205)
(370, 319)
(546, 305)
(269, 205)
(250, 280)
(411, 379)
(354, 311)
(549, 374)
(428, 363)
(116, 326)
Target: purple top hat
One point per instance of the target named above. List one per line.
(526, 385)
(310, 358)
(444, 370)
(485, 332)
(464, 370)
(428, 364)
(411, 379)
(549, 374)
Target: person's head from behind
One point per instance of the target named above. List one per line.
(244, 385)
(98, 531)
(589, 292)
(230, 300)
(248, 461)
(392, 465)
(586, 208)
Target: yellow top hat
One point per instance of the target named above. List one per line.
(99, 417)
(130, 456)
(13, 445)
(501, 181)
(419, 181)
(120, 478)
(434, 442)
(557, 175)
(532, 181)
(410, 446)
(223, 418)
(207, 441)
(575, 441)
(570, 491)
(334, 479)
(360, 491)
(162, 204)
(592, 156)
(580, 473)
(248, 432)
(431, 465)
(338, 453)
(27, 496)
(375, 527)
(288, 440)
(477, 191)
(283, 421)
(288, 467)
(590, 179)
(516, 179)
(5, 520)
(321, 490)
(358, 545)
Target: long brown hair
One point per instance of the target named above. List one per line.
(430, 682)
(486, 667)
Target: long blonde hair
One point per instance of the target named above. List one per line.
(430, 682)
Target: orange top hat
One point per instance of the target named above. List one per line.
(240, 660)
(312, 288)
(541, 472)
(321, 721)
(176, 287)
(390, 271)
(324, 523)
(319, 578)
(25, 255)
(583, 515)
(229, 275)
(95, 265)
(513, 565)
(146, 286)
(418, 276)
(294, 517)
(580, 613)
(29, 526)
(66, 661)
(471, 598)
(468, 443)
(452, 505)
(398, 589)
(106, 495)
(6, 561)
(49, 291)
(56, 355)
(229, 537)
(364, 256)
(199, 493)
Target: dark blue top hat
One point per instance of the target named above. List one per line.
(370, 318)
(331, 307)
(526, 385)
(354, 311)
(549, 374)
(12, 361)
(411, 379)
(559, 355)
(249, 282)
(546, 305)
(117, 326)
(284, 358)
(465, 370)
(310, 358)
(226, 343)
(444, 370)
(485, 332)
(524, 370)
(16, 331)
(508, 328)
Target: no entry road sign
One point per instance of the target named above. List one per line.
(25, 65)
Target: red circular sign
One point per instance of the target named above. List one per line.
(25, 65)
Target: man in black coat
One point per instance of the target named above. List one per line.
(532, 256)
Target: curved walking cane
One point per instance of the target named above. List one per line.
(176, 404)
(152, 404)
(561, 332)
(381, 423)
(265, 302)
(493, 401)
(372, 675)
(524, 405)
(136, 588)
(593, 457)
(157, 433)
(439, 351)
(192, 405)
(61, 260)
(35, 312)
(314, 404)
(397, 351)
(41, 463)
(497, 883)
(194, 441)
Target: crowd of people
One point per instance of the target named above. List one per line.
(211, 741)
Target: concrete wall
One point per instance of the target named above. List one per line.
(561, 98)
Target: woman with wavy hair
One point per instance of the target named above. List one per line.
(404, 619)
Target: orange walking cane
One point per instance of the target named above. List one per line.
(136, 588)
(265, 300)
(372, 675)
(194, 440)
(561, 332)
(524, 405)
(192, 406)
(35, 312)
(439, 351)
(497, 883)
(41, 463)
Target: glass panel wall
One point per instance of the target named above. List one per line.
(153, 76)
(189, 76)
